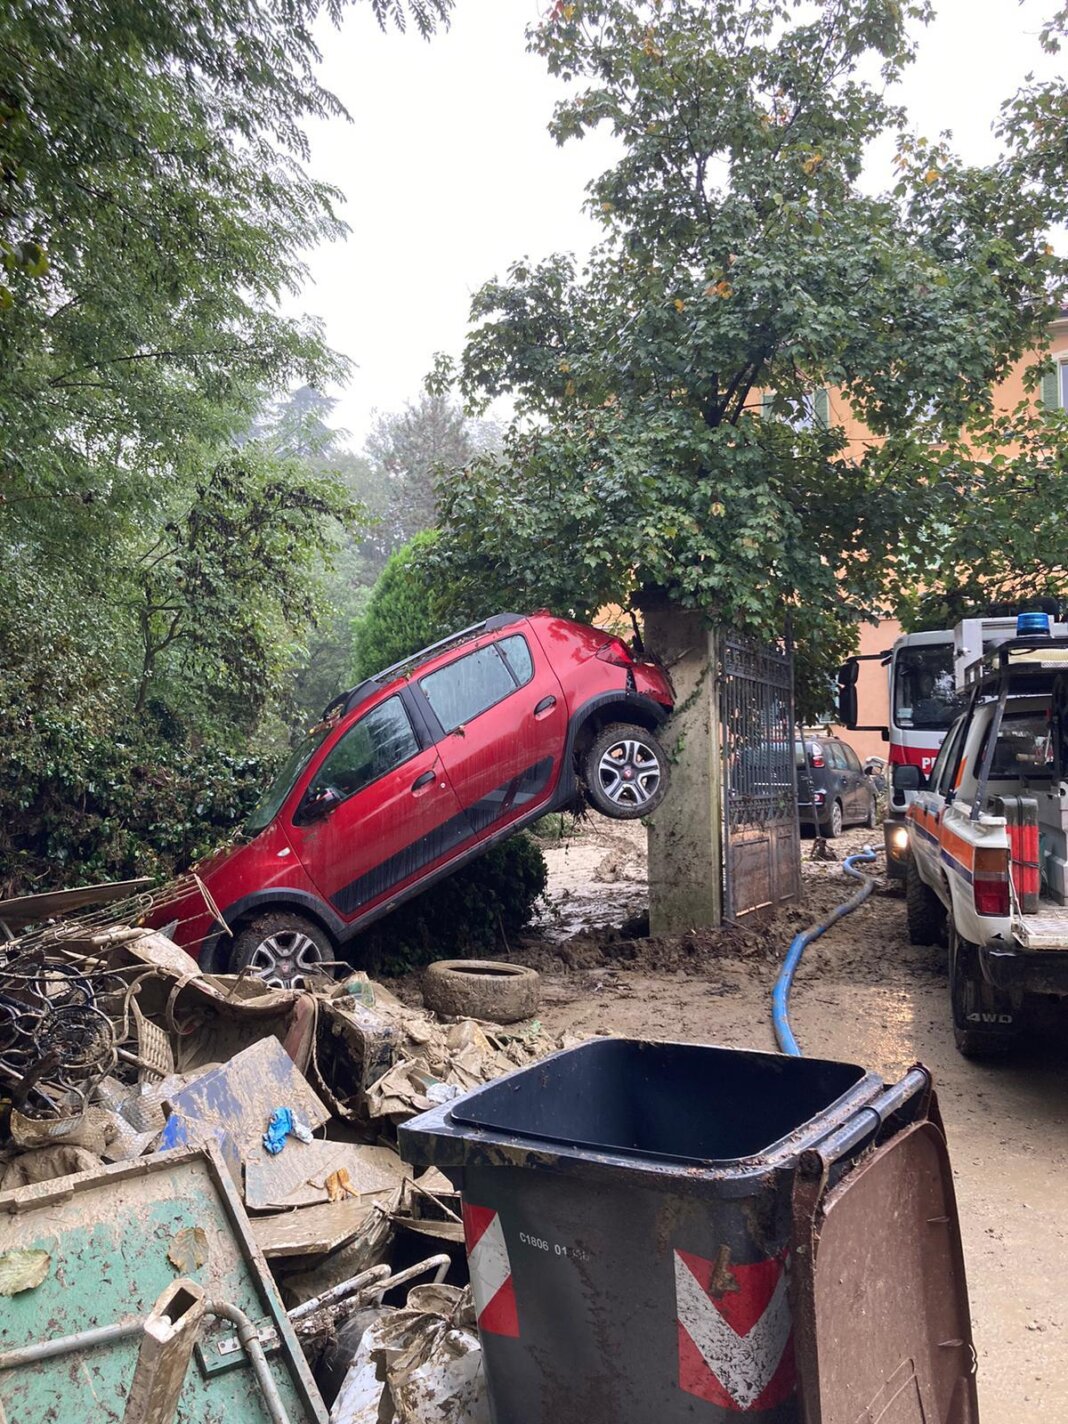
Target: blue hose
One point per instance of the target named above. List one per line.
(780, 996)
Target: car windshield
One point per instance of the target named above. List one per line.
(270, 802)
(925, 695)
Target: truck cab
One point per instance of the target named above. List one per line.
(988, 838)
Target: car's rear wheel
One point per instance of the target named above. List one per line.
(626, 772)
(835, 822)
(984, 1020)
(924, 912)
(285, 950)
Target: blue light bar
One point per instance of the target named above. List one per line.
(1032, 625)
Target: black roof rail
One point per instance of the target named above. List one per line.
(348, 700)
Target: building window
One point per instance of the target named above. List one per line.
(1054, 389)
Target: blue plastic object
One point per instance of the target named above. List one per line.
(780, 997)
(1032, 625)
(278, 1129)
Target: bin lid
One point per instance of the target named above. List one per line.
(883, 1329)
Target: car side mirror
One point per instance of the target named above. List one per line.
(847, 705)
(909, 778)
(317, 808)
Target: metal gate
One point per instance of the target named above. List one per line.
(761, 843)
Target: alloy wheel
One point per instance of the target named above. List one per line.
(284, 960)
(629, 772)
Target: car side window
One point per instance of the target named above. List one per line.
(834, 756)
(852, 760)
(470, 685)
(376, 744)
(516, 654)
(941, 779)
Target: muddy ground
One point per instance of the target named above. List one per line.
(863, 993)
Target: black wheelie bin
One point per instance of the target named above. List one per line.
(663, 1232)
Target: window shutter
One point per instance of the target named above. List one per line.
(767, 400)
(821, 408)
(1048, 391)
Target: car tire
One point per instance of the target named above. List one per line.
(835, 822)
(284, 950)
(481, 989)
(925, 914)
(626, 772)
(972, 998)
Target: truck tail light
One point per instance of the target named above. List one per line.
(991, 882)
(616, 651)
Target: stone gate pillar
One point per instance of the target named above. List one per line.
(685, 833)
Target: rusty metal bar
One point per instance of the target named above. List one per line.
(439, 1264)
(66, 1344)
(246, 1333)
(111, 1334)
(341, 1292)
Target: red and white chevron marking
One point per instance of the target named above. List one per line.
(734, 1345)
(491, 1272)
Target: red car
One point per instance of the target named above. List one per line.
(419, 769)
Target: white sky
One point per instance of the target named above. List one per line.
(450, 175)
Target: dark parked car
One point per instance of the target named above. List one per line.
(417, 770)
(833, 789)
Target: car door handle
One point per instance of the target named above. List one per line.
(545, 705)
(424, 780)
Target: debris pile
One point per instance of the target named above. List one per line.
(116, 1052)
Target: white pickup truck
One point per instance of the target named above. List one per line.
(987, 870)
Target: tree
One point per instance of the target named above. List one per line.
(671, 432)
(430, 439)
(230, 580)
(406, 610)
(154, 584)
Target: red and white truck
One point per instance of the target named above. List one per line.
(926, 680)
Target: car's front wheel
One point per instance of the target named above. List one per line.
(282, 949)
(626, 772)
(925, 914)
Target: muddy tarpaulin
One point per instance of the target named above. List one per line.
(421, 1365)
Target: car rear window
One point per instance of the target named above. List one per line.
(1023, 748)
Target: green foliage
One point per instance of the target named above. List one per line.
(407, 610)
(156, 586)
(669, 433)
(227, 580)
(76, 807)
(472, 913)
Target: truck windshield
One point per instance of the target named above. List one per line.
(270, 802)
(925, 696)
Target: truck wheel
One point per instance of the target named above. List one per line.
(626, 772)
(924, 913)
(976, 1003)
(282, 949)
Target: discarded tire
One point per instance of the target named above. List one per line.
(481, 989)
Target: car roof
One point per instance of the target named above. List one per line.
(399, 672)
